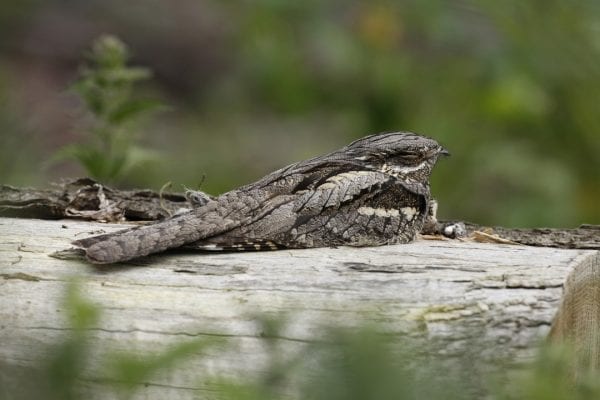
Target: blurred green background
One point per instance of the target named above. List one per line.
(512, 88)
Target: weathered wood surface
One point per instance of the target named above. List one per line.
(85, 198)
(443, 295)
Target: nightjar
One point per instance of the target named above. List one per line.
(372, 192)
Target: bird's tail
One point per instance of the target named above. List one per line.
(127, 244)
(139, 241)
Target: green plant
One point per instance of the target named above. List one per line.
(348, 364)
(106, 86)
(555, 375)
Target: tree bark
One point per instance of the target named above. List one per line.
(85, 198)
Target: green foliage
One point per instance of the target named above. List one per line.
(129, 370)
(350, 364)
(106, 88)
(511, 88)
(552, 376)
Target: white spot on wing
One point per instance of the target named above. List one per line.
(409, 212)
(366, 211)
(384, 212)
(345, 175)
(379, 212)
(328, 185)
(211, 247)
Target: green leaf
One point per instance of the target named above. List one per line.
(91, 95)
(132, 109)
(132, 369)
(128, 75)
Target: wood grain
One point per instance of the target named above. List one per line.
(443, 295)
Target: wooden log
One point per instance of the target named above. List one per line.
(441, 294)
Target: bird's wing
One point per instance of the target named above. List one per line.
(270, 228)
(340, 188)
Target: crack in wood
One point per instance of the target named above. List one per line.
(398, 269)
(160, 385)
(259, 335)
(21, 276)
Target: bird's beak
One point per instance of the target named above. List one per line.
(444, 152)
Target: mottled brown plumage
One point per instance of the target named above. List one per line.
(372, 192)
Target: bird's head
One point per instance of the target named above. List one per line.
(404, 155)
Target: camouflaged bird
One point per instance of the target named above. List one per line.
(374, 191)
